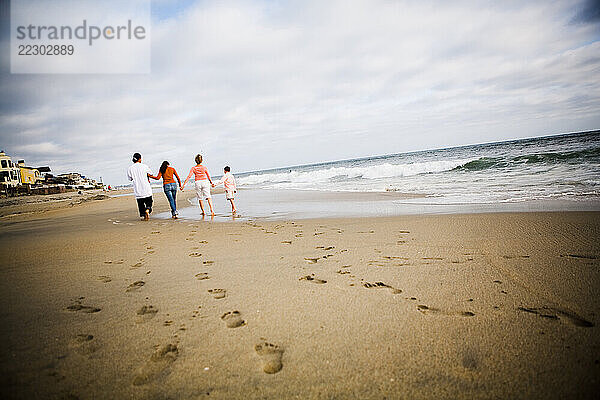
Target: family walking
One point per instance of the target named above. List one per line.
(140, 174)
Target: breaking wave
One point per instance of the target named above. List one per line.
(370, 172)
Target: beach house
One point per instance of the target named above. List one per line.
(9, 172)
(29, 175)
(17, 178)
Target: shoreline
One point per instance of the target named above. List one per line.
(286, 204)
(282, 205)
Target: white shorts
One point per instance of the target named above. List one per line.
(202, 189)
(229, 194)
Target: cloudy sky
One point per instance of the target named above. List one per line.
(262, 84)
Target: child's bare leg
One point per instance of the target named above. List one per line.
(232, 206)
(210, 205)
(201, 206)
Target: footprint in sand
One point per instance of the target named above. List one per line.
(436, 311)
(208, 262)
(195, 254)
(342, 271)
(135, 286)
(233, 319)
(312, 260)
(202, 276)
(146, 313)
(311, 278)
(157, 366)
(136, 265)
(373, 263)
(78, 307)
(114, 262)
(381, 285)
(286, 242)
(325, 247)
(155, 232)
(218, 293)
(558, 314)
(271, 355)
(85, 344)
(104, 278)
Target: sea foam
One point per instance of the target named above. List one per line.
(370, 172)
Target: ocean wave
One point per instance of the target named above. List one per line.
(483, 163)
(558, 157)
(370, 172)
(480, 164)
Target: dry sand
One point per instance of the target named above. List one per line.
(96, 304)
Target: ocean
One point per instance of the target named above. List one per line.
(565, 167)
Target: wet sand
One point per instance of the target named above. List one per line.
(287, 204)
(96, 304)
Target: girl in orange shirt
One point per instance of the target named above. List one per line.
(169, 185)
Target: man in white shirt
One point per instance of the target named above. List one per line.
(138, 173)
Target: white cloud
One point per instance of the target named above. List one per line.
(260, 84)
(45, 149)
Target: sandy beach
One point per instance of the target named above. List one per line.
(416, 188)
(96, 304)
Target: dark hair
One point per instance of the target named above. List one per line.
(136, 157)
(163, 167)
(227, 169)
(198, 159)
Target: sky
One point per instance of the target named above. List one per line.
(264, 84)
